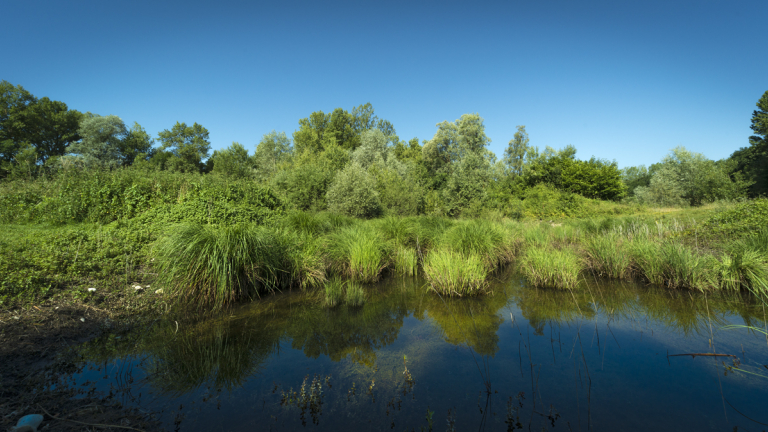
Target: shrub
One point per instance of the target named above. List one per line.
(353, 193)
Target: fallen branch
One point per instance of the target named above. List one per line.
(693, 355)
(88, 424)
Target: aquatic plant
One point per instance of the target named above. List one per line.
(210, 266)
(358, 253)
(400, 231)
(545, 267)
(453, 273)
(684, 268)
(406, 261)
(608, 257)
(744, 268)
(647, 259)
(307, 260)
(479, 238)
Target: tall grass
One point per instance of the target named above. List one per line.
(215, 266)
(684, 268)
(648, 260)
(307, 260)
(480, 238)
(608, 257)
(406, 261)
(546, 267)
(358, 252)
(455, 274)
(334, 292)
(744, 268)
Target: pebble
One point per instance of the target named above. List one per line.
(91, 289)
(159, 291)
(138, 287)
(82, 319)
(28, 423)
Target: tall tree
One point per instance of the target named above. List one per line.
(188, 145)
(13, 101)
(752, 161)
(514, 155)
(273, 149)
(136, 144)
(100, 140)
(232, 162)
(49, 126)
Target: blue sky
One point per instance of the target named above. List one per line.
(617, 79)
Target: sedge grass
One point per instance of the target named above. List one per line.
(455, 274)
(745, 268)
(684, 268)
(212, 267)
(479, 238)
(647, 259)
(358, 252)
(406, 261)
(607, 256)
(546, 267)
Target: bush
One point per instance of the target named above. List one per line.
(353, 193)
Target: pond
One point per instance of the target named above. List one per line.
(603, 357)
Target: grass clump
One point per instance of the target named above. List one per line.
(480, 238)
(209, 266)
(545, 267)
(455, 274)
(744, 268)
(607, 256)
(684, 268)
(647, 259)
(358, 252)
(406, 261)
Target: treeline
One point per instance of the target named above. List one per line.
(353, 163)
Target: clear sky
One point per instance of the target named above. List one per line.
(623, 80)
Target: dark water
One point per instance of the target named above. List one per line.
(592, 359)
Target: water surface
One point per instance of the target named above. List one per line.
(602, 357)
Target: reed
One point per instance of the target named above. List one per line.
(455, 274)
(358, 252)
(546, 267)
(398, 230)
(307, 258)
(608, 257)
(209, 266)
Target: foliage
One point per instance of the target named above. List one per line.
(273, 150)
(744, 219)
(357, 253)
(232, 162)
(516, 152)
(752, 162)
(100, 143)
(187, 146)
(353, 193)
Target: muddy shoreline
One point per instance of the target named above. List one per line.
(36, 355)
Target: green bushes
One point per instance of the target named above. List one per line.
(544, 267)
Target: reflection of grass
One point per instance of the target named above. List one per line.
(334, 292)
(551, 267)
(406, 261)
(355, 294)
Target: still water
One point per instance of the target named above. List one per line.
(603, 357)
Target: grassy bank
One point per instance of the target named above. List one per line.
(212, 265)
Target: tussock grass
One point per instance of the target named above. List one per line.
(400, 231)
(608, 256)
(406, 261)
(536, 236)
(480, 238)
(358, 252)
(745, 268)
(306, 223)
(307, 259)
(687, 269)
(455, 274)
(213, 267)
(546, 267)
(647, 259)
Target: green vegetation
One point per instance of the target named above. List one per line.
(96, 204)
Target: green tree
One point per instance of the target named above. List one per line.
(634, 177)
(232, 162)
(752, 162)
(100, 140)
(14, 100)
(49, 126)
(353, 193)
(273, 150)
(514, 155)
(188, 146)
(137, 143)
